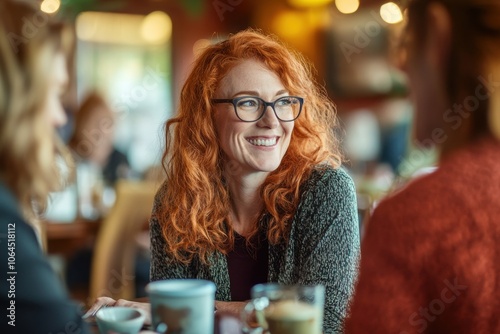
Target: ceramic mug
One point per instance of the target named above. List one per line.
(120, 319)
(182, 306)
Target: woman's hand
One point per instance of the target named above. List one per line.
(107, 302)
(233, 308)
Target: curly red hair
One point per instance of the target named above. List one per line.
(195, 201)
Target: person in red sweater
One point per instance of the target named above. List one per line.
(430, 258)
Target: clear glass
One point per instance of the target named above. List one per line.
(252, 108)
(284, 309)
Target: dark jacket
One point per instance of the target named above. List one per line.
(33, 299)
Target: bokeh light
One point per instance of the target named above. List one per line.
(347, 6)
(50, 6)
(156, 27)
(391, 13)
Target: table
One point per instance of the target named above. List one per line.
(224, 322)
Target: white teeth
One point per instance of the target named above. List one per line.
(263, 142)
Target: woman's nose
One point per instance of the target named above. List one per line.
(269, 118)
(58, 116)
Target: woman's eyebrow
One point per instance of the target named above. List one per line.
(255, 93)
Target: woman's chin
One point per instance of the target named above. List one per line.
(268, 167)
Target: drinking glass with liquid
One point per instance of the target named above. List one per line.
(284, 309)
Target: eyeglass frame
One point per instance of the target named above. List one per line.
(235, 100)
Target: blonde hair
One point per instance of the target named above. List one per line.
(196, 202)
(27, 142)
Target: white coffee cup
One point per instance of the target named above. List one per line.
(182, 306)
(120, 319)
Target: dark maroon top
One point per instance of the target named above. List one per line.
(247, 266)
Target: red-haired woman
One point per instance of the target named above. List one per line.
(254, 190)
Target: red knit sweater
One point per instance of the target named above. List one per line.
(430, 259)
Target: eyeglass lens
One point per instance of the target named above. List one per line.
(251, 108)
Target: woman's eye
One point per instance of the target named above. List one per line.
(285, 102)
(248, 103)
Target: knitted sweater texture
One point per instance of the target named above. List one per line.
(430, 258)
(322, 248)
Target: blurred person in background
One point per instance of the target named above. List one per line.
(98, 163)
(430, 260)
(92, 139)
(254, 191)
(33, 76)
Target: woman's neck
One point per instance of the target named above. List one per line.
(246, 202)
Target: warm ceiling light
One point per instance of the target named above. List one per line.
(347, 6)
(156, 27)
(50, 6)
(391, 13)
(128, 29)
(308, 3)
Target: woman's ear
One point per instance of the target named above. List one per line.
(439, 35)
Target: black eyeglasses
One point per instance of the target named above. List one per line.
(252, 108)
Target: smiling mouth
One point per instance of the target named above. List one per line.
(263, 141)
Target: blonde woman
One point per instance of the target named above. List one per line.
(32, 78)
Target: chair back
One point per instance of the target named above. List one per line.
(113, 262)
